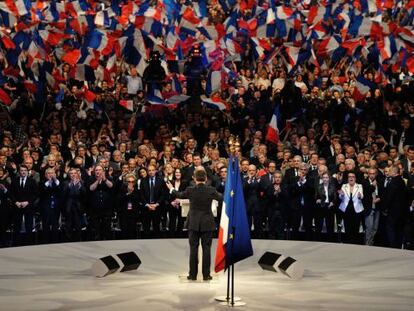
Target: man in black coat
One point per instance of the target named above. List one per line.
(251, 190)
(100, 203)
(73, 197)
(153, 196)
(50, 206)
(266, 182)
(395, 205)
(200, 221)
(278, 202)
(128, 207)
(302, 202)
(23, 194)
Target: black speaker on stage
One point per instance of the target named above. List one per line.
(110, 264)
(130, 261)
(279, 263)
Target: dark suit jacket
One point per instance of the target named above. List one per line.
(73, 196)
(160, 191)
(368, 191)
(49, 194)
(290, 176)
(128, 202)
(298, 191)
(101, 199)
(27, 193)
(200, 217)
(278, 201)
(332, 194)
(395, 201)
(251, 194)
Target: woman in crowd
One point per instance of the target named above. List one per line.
(351, 207)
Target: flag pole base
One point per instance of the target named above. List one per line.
(235, 304)
(226, 299)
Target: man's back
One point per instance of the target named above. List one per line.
(200, 216)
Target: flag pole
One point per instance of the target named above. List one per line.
(234, 146)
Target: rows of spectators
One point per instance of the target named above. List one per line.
(340, 165)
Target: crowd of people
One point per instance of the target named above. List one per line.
(340, 166)
(80, 167)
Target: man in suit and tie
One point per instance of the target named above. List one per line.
(200, 221)
(251, 190)
(266, 181)
(408, 162)
(395, 205)
(153, 195)
(302, 202)
(373, 189)
(50, 206)
(23, 193)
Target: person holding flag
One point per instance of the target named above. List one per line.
(200, 220)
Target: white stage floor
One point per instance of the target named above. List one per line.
(337, 277)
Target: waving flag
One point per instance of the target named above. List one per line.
(127, 104)
(234, 242)
(273, 129)
(214, 102)
(362, 87)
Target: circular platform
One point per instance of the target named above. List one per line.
(337, 277)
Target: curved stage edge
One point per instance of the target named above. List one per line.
(337, 277)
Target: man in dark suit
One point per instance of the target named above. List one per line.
(251, 190)
(73, 198)
(278, 203)
(326, 200)
(302, 202)
(23, 193)
(153, 195)
(373, 191)
(100, 203)
(395, 204)
(408, 162)
(50, 206)
(266, 182)
(200, 221)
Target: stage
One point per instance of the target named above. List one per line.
(337, 277)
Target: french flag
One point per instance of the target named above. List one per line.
(155, 97)
(213, 82)
(273, 129)
(16, 7)
(284, 12)
(127, 104)
(72, 57)
(362, 87)
(327, 46)
(214, 102)
(223, 234)
(177, 99)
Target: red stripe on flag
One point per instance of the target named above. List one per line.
(5, 98)
(220, 261)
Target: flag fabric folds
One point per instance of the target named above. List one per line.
(234, 243)
(273, 130)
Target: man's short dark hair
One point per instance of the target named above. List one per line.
(200, 175)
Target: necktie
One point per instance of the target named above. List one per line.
(387, 181)
(152, 189)
(22, 182)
